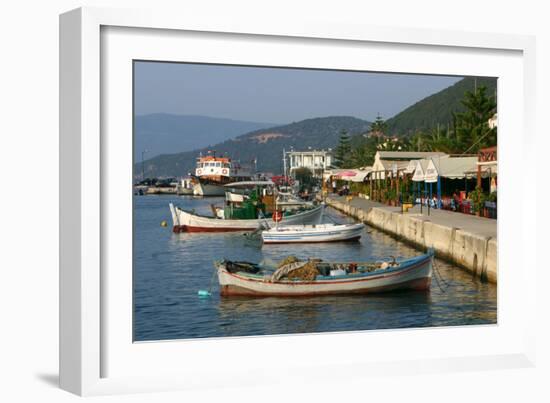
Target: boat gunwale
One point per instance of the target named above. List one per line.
(337, 227)
(342, 279)
(311, 210)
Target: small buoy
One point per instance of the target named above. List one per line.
(204, 293)
(163, 223)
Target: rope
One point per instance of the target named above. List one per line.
(437, 280)
(478, 140)
(331, 218)
(440, 275)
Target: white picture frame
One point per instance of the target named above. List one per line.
(97, 355)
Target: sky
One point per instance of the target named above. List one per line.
(276, 95)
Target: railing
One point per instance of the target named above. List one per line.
(464, 206)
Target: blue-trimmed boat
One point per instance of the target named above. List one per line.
(313, 233)
(328, 278)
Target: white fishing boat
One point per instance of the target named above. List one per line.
(312, 233)
(314, 277)
(188, 221)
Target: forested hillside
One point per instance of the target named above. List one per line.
(437, 108)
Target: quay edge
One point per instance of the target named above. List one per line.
(473, 252)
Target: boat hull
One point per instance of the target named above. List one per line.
(208, 190)
(185, 192)
(415, 275)
(185, 221)
(337, 233)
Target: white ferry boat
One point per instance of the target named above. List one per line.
(213, 173)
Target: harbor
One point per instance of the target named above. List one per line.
(379, 239)
(170, 267)
(316, 224)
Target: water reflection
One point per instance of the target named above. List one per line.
(170, 268)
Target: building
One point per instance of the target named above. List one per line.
(389, 161)
(493, 122)
(315, 160)
(487, 166)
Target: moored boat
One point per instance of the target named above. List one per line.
(187, 221)
(201, 188)
(288, 201)
(185, 187)
(324, 278)
(212, 173)
(312, 233)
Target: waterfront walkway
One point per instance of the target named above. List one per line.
(466, 240)
(486, 227)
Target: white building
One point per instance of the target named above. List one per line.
(493, 122)
(315, 160)
(388, 161)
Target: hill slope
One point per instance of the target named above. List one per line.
(266, 145)
(161, 133)
(436, 108)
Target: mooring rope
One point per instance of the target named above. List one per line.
(440, 275)
(437, 274)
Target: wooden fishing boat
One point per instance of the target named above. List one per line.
(248, 279)
(187, 221)
(312, 233)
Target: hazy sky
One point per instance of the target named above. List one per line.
(276, 95)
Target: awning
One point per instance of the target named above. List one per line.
(419, 172)
(428, 170)
(353, 175)
(431, 174)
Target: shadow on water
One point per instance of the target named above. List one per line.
(328, 313)
(170, 268)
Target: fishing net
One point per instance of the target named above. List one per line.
(293, 269)
(307, 272)
(287, 260)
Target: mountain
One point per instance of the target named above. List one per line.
(437, 108)
(266, 145)
(162, 133)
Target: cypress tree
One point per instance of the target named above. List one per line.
(342, 155)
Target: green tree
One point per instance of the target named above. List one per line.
(472, 125)
(342, 154)
(379, 127)
(362, 156)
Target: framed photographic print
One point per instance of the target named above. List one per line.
(251, 195)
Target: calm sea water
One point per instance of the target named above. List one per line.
(170, 268)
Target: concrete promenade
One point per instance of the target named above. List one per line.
(466, 240)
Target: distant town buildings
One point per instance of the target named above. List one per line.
(315, 160)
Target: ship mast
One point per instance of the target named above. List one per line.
(284, 164)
